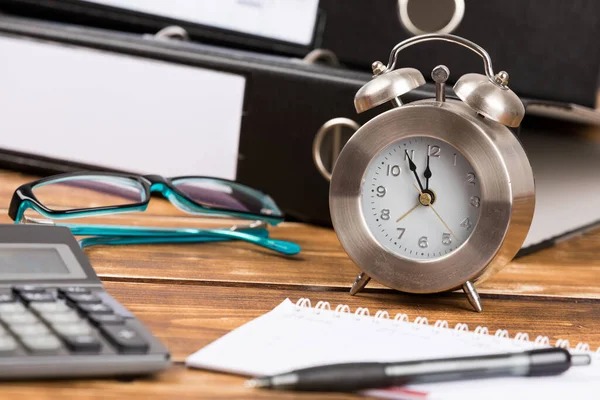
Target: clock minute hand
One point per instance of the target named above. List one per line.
(413, 168)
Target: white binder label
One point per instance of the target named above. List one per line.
(118, 111)
(287, 20)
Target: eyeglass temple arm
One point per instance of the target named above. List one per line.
(132, 235)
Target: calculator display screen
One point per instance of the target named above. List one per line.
(31, 261)
(34, 261)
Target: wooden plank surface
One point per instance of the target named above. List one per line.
(570, 269)
(188, 317)
(191, 294)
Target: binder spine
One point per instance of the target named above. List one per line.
(360, 312)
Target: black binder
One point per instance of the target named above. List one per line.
(549, 47)
(286, 102)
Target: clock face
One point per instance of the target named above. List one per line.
(421, 198)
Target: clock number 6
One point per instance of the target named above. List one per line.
(423, 242)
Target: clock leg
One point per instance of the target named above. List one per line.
(472, 295)
(361, 281)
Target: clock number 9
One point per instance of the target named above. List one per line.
(393, 170)
(381, 191)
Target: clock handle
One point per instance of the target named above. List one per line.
(334, 125)
(487, 61)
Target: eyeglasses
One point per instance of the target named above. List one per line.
(84, 194)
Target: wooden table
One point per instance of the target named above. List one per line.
(191, 294)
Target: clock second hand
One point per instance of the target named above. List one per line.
(437, 214)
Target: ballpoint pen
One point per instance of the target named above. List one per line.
(359, 376)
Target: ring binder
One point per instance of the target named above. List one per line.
(341, 308)
(482, 330)
(523, 337)
(441, 324)
(381, 315)
(460, 327)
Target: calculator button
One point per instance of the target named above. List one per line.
(62, 292)
(37, 297)
(125, 339)
(88, 298)
(7, 346)
(106, 319)
(7, 297)
(41, 343)
(30, 289)
(83, 343)
(97, 308)
(11, 308)
(16, 319)
(30, 329)
(80, 328)
(50, 308)
(62, 318)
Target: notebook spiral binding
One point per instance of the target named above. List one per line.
(304, 303)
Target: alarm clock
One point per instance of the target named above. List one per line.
(437, 194)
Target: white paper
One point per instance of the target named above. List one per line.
(289, 338)
(287, 20)
(118, 111)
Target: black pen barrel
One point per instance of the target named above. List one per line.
(353, 377)
(339, 378)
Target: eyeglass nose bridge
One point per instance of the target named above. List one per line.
(158, 184)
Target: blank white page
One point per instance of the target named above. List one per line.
(118, 111)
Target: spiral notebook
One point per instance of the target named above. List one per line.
(296, 335)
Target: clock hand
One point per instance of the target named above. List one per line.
(427, 174)
(413, 168)
(408, 212)
(437, 214)
(443, 222)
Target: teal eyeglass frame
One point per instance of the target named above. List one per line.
(255, 232)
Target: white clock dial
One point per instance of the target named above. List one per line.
(421, 218)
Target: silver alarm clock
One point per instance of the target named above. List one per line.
(437, 194)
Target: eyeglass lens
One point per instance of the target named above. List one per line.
(226, 195)
(89, 192)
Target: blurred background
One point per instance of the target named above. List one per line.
(238, 89)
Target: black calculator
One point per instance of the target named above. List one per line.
(56, 320)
